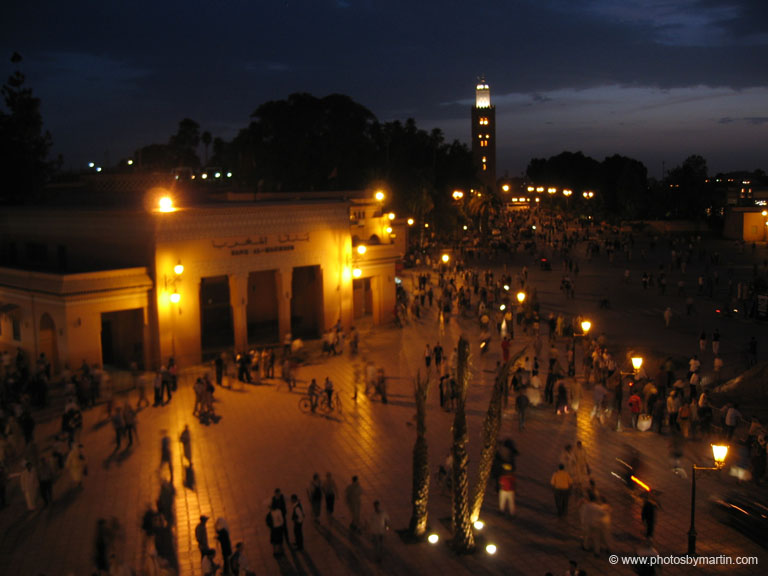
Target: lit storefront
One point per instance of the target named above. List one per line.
(117, 286)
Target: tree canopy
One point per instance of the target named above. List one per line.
(24, 144)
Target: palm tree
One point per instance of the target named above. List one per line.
(463, 537)
(483, 206)
(491, 427)
(420, 486)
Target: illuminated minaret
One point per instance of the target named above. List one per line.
(484, 134)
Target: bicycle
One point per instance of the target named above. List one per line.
(321, 404)
(329, 406)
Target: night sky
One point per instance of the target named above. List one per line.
(656, 80)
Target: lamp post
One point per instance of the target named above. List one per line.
(719, 453)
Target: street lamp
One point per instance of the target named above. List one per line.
(410, 221)
(585, 327)
(719, 453)
(445, 258)
(361, 249)
(637, 362)
(458, 195)
(521, 297)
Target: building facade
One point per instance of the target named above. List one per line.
(116, 286)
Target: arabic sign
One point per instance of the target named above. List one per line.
(261, 245)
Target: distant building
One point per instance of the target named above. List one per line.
(484, 135)
(113, 285)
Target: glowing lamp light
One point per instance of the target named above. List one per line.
(91, 165)
(531, 189)
(388, 229)
(361, 249)
(178, 269)
(506, 287)
(505, 187)
(129, 162)
(465, 226)
(719, 453)
(433, 538)
(567, 192)
(640, 483)
(491, 549)
(503, 307)
(165, 204)
(356, 272)
(391, 215)
(479, 524)
(175, 297)
(379, 195)
(426, 224)
(637, 362)
(585, 326)
(445, 258)
(521, 297)
(410, 221)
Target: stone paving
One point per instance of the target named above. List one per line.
(264, 441)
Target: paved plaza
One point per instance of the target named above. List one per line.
(263, 441)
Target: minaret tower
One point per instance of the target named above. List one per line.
(484, 134)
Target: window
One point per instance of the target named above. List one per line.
(483, 143)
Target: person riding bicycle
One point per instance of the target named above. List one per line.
(313, 391)
(329, 391)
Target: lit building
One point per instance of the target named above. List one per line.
(484, 134)
(113, 286)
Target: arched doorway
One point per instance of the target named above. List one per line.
(47, 343)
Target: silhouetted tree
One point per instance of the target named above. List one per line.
(24, 145)
(463, 537)
(206, 139)
(184, 143)
(420, 482)
(491, 427)
(624, 187)
(685, 189)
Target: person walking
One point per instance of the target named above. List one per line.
(186, 443)
(46, 478)
(30, 484)
(297, 516)
(379, 528)
(165, 453)
(276, 523)
(667, 316)
(648, 514)
(118, 423)
(353, 494)
(77, 465)
(427, 357)
(521, 406)
(129, 417)
(201, 535)
(561, 483)
(315, 495)
(507, 489)
(329, 490)
(225, 543)
(716, 342)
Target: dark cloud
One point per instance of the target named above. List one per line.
(117, 75)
